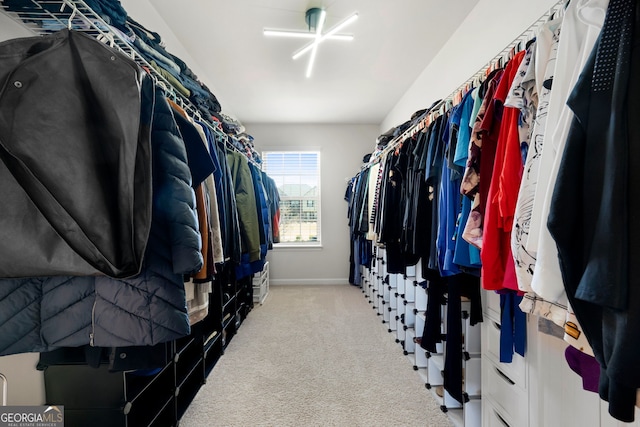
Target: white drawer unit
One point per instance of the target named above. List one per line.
(411, 271)
(420, 321)
(401, 288)
(472, 337)
(393, 300)
(493, 417)
(261, 284)
(434, 370)
(386, 293)
(421, 358)
(410, 315)
(380, 291)
(369, 283)
(386, 314)
(473, 413)
(516, 370)
(508, 397)
(409, 343)
(449, 402)
(421, 354)
(393, 322)
(410, 289)
(421, 299)
(393, 281)
(400, 331)
(472, 377)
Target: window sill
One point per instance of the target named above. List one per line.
(293, 247)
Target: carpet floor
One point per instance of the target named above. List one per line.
(313, 356)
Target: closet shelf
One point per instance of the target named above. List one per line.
(160, 415)
(228, 319)
(211, 340)
(50, 16)
(182, 345)
(228, 304)
(138, 385)
(182, 379)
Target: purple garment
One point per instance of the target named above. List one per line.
(584, 365)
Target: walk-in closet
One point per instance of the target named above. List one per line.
(319, 213)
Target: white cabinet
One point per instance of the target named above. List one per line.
(536, 390)
(505, 395)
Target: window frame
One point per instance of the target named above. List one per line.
(304, 200)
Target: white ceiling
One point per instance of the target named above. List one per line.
(352, 82)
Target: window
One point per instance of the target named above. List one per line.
(297, 176)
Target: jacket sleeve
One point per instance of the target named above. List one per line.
(174, 198)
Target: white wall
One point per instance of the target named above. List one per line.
(10, 29)
(490, 27)
(341, 150)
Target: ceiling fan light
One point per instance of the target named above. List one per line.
(315, 18)
(305, 35)
(325, 36)
(291, 34)
(341, 25)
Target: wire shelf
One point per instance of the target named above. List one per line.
(49, 16)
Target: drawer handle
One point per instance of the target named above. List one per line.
(504, 423)
(496, 325)
(504, 377)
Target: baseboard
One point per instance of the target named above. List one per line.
(278, 282)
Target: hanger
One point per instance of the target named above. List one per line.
(160, 83)
(74, 12)
(107, 38)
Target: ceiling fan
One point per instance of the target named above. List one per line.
(315, 19)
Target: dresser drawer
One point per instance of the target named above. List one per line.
(509, 399)
(493, 417)
(516, 370)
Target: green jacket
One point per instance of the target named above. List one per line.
(246, 204)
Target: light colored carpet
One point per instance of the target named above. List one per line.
(314, 356)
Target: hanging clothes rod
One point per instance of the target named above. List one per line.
(442, 106)
(500, 59)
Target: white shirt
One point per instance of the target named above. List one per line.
(583, 21)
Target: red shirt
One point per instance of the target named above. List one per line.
(498, 269)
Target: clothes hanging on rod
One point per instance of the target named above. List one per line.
(422, 118)
(191, 211)
(532, 142)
